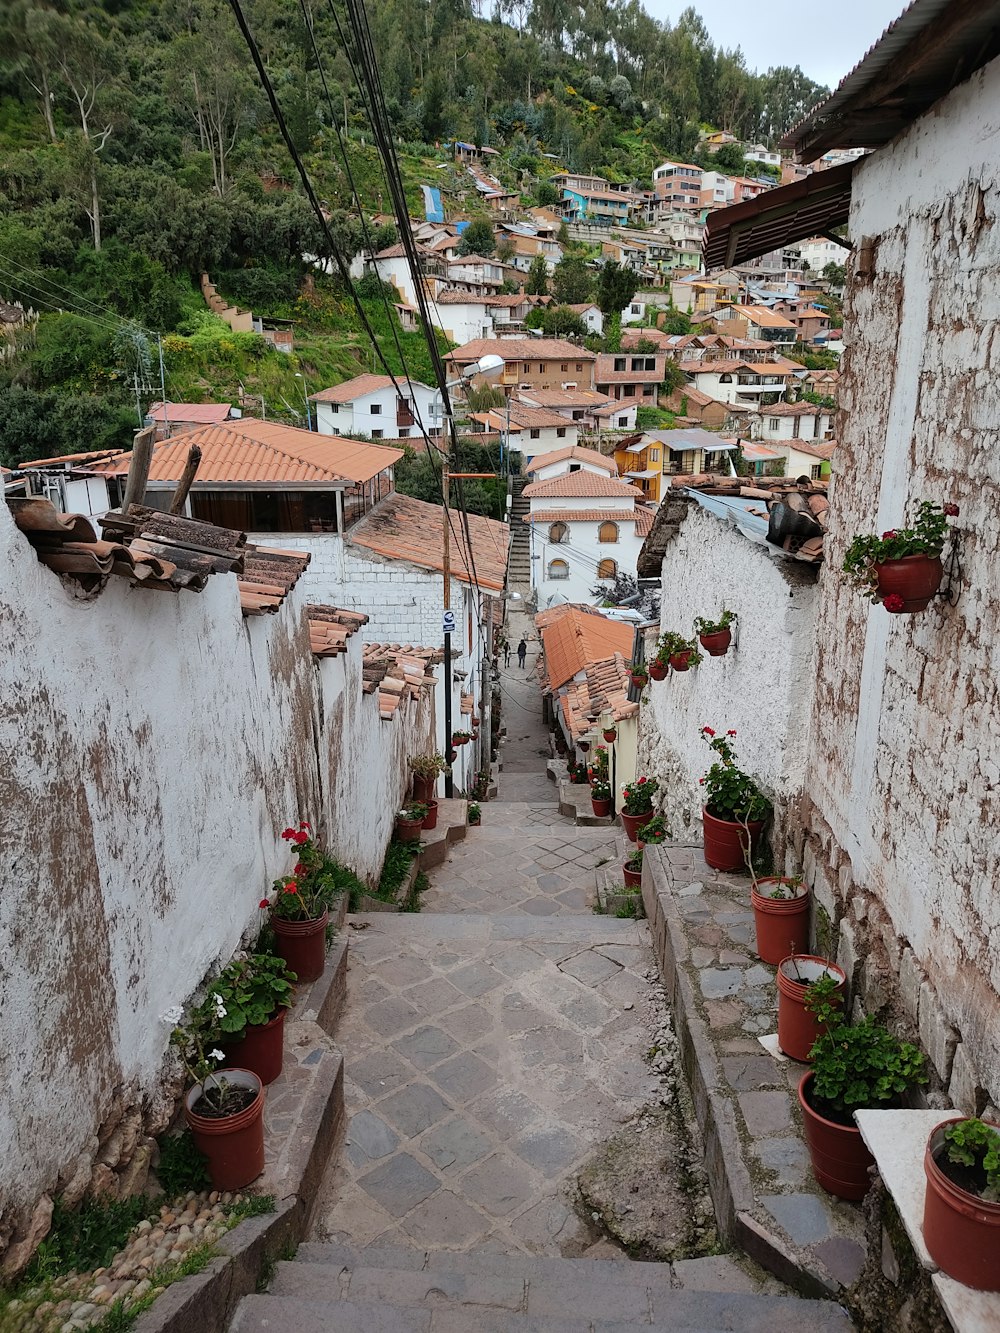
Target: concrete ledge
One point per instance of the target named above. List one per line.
(574, 803)
(452, 826)
(303, 1120)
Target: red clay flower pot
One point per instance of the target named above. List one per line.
(681, 661)
(408, 830)
(657, 671)
(261, 1049)
(430, 820)
(717, 644)
(423, 790)
(633, 878)
(452, 756)
(782, 924)
(233, 1144)
(915, 578)
(840, 1160)
(601, 808)
(302, 944)
(798, 1026)
(633, 823)
(725, 841)
(961, 1231)
(610, 735)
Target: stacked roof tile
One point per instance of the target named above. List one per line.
(604, 689)
(398, 672)
(330, 627)
(402, 528)
(269, 574)
(576, 636)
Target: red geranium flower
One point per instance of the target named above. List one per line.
(641, 781)
(707, 731)
(300, 838)
(305, 825)
(730, 733)
(888, 536)
(701, 781)
(288, 834)
(894, 602)
(291, 888)
(263, 903)
(951, 510)
(300, 869)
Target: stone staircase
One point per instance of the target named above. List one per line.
(519, 568)
(396, 1290)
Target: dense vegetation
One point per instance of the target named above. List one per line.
(137, 150)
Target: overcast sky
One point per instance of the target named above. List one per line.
(826, 39)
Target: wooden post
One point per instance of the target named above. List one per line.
(187, 477)
(138, 470)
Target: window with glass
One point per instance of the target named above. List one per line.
(558, 569)
(266, 511)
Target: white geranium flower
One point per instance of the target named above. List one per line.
(220, 1008)
(173, 1015)
(216, 1055)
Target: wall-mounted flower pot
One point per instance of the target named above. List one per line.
(798, 1026)
(261, 1049)
(459, 740)
(233, 1144)
(915, 578)
(961, 1230)
(840, 1160)
(601, 808)
(633, 823)
(452, 756)
(657, 671)
(726, 841)
(681, 661)
(782, 924)
(638, 681)
(302, 944)
(633, 878)
(408, 830)
(717, 644)
(610, 735)
(430, 820)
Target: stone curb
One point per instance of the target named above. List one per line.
(728, 1176)
(206, 1302)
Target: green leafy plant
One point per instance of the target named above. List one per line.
(598, 770)
(975, 1144)
(634, 862)
(600, 790)
(655, 831)
(926, 537)
(311, 888)
(181, 1167)
(729, 792)
(637, 797)
(672, 644)
(862, 1065)
(474, 811)
(416, 810)
(252, 988)
(426, 765)
(459, 737)
(823, 998)
(86, 1237)
(639, 670)
(703, 626)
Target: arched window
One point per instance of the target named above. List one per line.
(725, 379)
(558, 532)
(608, 532)
(558, 569)
(607, 569)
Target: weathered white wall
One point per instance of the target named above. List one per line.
(154, 746)
(904, 770)
(762, 688)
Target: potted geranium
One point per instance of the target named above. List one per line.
(654, 831)
(600, 797)
(639, 674)
(461, 737)
(426, 769)
(735, 808)
(659, 665)
(254, 991)
(224, 1108)
(300, 906)
(715, 636)
(902, 568)
(962, 1201)
(781, 917)
(632, 869)
(810, 991)
(410, 822)
(610, 734)
(681, 653)
(475, 814)
(637, 804)
(855, 1067)
(598, 770)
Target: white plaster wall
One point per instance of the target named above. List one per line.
(583, 553)
(358, 417)
(463, 323)
(549, 439)
(905, 764)
(546, 471)
(154, 746)
(761, 688)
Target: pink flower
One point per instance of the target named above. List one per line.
(951, 510)
(894, 602)
(888, 536)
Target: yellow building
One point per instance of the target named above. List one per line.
(642, 464)
(661, 454)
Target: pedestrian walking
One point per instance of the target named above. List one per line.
(506, 652)
(522, 652)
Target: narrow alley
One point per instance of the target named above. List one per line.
(497, 1051)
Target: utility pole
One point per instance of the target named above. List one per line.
(449, 617)
(163, 390)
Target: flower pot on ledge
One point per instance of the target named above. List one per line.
(961, 1230)
(798, 1026)
(261, 1048)
(601, 808)
(840, 1159)
(233, 1144)
(657, 671)
(782, 924)
(726, 841)
(633, 823)
(302, 944)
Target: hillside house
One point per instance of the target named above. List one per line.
(392, 266)
(527, 428)
(588, 408)
(695, 406)
(371, 405)
(806, 458)
(585, 525)
(678, 185)
(630, 375)
(786, 421)
(531, 363)
(663, 453)
(463, 315)
(765, 324)
(734, 380)
(592, 316)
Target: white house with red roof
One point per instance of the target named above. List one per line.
(586, 526)
(371, 405)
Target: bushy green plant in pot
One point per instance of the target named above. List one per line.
(254, 991)
(855, 1066)
(637, 804)
(300, 905)
(475, 813)
(714, 635)
(600, 797)
(680, 652)
(639, 674)
(902, 569)
(632, 870)
(735, 808)
(410, 822)
(654, 831)
(962, 1200)
(426, 769)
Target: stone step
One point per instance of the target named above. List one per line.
(452, 1292)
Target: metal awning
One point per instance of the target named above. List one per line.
(809, 207)
(717, 448)
(643, 476)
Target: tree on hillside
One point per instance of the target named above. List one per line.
(572, 281)
(537, 281)
(729, 158)
(477, 239)
(677, 323)
(673, 377)
(616, 286)
(28, 33)
(546, 194)
(556, 321)
(835, 274)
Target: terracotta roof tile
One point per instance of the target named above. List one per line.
(521, 349)
(604, 688)
(397, 673)
(588, 516)
(330, 627)
(401, 528)
(581, 483)
(357, 387)
(588, 398)
(574, 637)
(269, 574)
(203, 414)
(576, 453)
